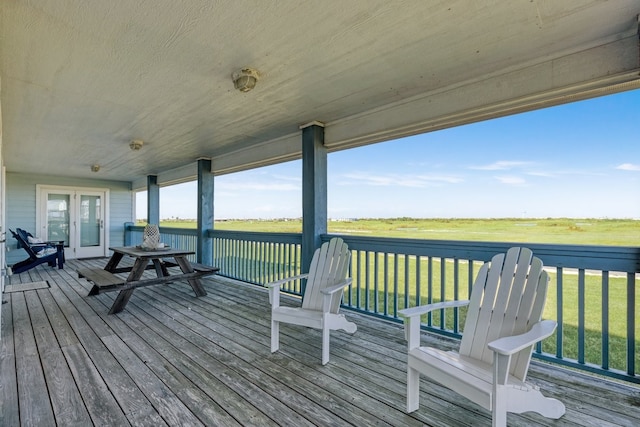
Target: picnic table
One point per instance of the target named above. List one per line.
(106, 279)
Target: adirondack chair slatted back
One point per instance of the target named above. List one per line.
(24, 243)
(507, 297)
(329, 267)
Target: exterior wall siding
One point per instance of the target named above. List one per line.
(21, 205)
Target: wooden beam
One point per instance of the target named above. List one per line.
(204, 251)
(153, 200)
(314, 191)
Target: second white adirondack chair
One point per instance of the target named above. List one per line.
(326, 281)
(503, 324)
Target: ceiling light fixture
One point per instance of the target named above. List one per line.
(95, 168)
(136, 144)
(245, 79)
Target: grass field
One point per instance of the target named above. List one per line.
(617, 232)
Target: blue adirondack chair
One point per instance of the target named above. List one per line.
(39, 252)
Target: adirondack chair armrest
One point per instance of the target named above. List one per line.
(508, 346)
(274, 288)
(424, 309)
(412, 318)
(47, 243)
(335, 288)
(286, 280)
(329, 293)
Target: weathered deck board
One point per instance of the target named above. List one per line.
(9, 415)
(67, 403)
(34, 400)
(172, 359)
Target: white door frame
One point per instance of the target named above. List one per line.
(73, 250)
(3, 231)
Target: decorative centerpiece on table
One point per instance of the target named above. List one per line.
(151, 237)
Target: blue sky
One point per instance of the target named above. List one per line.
(579, 160)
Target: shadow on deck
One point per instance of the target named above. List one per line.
(172, 359)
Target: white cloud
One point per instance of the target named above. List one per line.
(288, 178)
(413, 181)
(628, 167)
(259, 186)
(542, 174)
(501, 165)
(511, 180)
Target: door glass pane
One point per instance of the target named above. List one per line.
(58, 217)
(90, 220)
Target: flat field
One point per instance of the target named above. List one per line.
(616, 232)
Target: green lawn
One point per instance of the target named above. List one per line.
(617, 232)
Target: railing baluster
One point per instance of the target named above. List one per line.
(299, 269)
(275, 253)
(456, 295)
(375, 283)
(407, 286)
(418, 296)
(631, 324)
(605, 320)
(406, 281)
(430, 289)
(269, 261)
(395, 286)
(366, 281)
(559, 313)
(470, 278)
(385, 278)
(225, 266)
(281, 258)
(255, 273)
(240, 257)
(349, 291)
(263, 266)
(443, 265)
(581, 320)
(359, 279)
(234, 255)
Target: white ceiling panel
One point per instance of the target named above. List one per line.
(79, 79)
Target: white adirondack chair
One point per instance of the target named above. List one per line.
(503, 324)
(326, 281)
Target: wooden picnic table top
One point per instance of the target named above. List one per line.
(138, 252)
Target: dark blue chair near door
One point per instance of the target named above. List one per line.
(50, 252)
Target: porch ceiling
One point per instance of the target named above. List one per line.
(81, 78)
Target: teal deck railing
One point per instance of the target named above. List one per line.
(258, 258)
(593, 293)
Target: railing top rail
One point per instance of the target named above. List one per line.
(606, 258)
(167, 230)
(600, 257)
(295, 238)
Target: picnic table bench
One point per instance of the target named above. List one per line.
(107, 279)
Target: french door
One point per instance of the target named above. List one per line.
(75, 215)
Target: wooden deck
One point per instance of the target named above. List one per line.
(173, 359)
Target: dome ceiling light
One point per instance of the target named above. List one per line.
(136, 144)
(245, 79)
